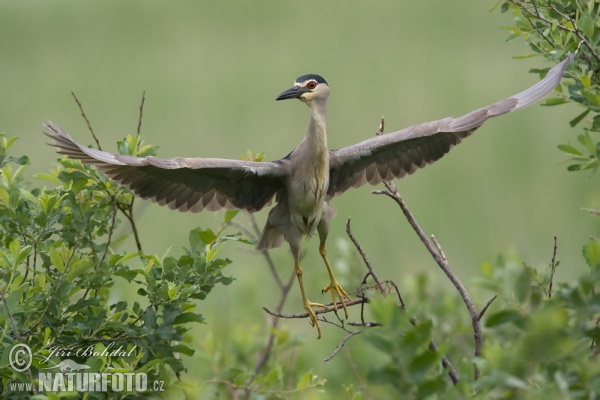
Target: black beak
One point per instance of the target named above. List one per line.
(292, 93)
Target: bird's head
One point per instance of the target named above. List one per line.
(307, 88)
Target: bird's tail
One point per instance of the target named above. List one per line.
(270, 238)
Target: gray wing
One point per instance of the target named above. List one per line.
(397, 154)
(185, 184)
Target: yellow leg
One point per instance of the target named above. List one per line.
(334, 286)
(308, 304)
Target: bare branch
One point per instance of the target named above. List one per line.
(364, 256)
(342, 343)
(489, 303)
(317, 312)
(552, 269)
(87, 121)
(392, 192)
(139, 128)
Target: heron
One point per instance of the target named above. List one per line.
(302, 183)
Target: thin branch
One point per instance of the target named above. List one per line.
(128, 213)
(364, 256)
(51, 299)
(575, 29)
(392, 192)
(446, 364)
(317, 312)
(535, 26)
(285, 289)
(489, 303)
(552, 270)
(87, 121)
(342, 343)
(141, 114)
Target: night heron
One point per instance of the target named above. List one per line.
(304, 181)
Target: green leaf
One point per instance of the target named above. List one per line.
(586, 81)
(586, 25)
(495, 6)
(305, 381)
(56, 259)
(79, 268)
(183, 349)
(569, 149)
(188, 317)
(578, 118)
(503, 317)
(587, 141)
(230, 214)
(554, 101)
(48, 177)
(15, 248)
(27, 195)
(589, 165)
(523, 284)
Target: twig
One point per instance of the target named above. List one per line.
(553, 268)
(285, 289)
(141, 113)
(267, 255)
(51, 299)
(575, 29)
(364, 256)
(128, 213)
(445, 363)
(317, 312)
(489, 303)
(87, 121)
(381, 126)
(535, 26)
(342, 343)
(392, 192)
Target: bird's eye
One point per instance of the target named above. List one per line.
(311, 84)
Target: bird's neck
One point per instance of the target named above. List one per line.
(317, 125)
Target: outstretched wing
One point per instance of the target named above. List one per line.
(399, 153)
(184, 184)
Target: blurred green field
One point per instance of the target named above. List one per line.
(211, 71)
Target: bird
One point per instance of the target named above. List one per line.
(305, 181)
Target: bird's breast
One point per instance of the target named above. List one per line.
(306, 193)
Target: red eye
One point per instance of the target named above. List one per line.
(312, 84)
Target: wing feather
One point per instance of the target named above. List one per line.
(403, 152)
(185, 184)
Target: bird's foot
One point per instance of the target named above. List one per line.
(335, 288)
(308, 305)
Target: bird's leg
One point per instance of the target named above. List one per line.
(308, 304)
(334, 286)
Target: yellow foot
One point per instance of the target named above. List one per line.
(308, 305)
(341, 293)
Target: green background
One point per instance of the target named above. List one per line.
(211, 71)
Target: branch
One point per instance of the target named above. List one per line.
(489, 303)
(87, 121)
(364, 256)
(141, 114)
(51, 299)
(575, 29)
(317, 312)
(439, 258)
(285, 289)
(553, 268)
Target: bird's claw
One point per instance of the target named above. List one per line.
(313, 317)
(335, 288)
